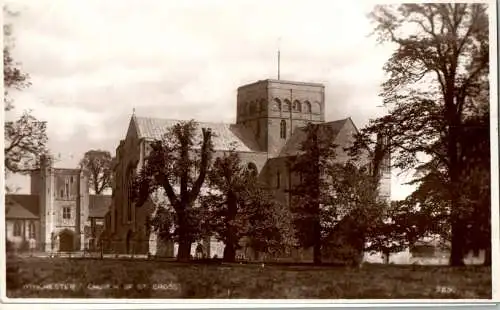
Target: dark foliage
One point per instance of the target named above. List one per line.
(98, 164)
(438, 75)
(171, 167)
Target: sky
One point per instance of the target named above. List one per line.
(93, 62)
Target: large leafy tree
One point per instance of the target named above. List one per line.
(314, 212)
(436, 75)
(98, 164)
(26, 137)
(238, 208)
(433, 205)
(178, 165)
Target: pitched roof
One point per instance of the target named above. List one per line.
(21, 206)
(225, 136)
(292, 147)
(99, 205)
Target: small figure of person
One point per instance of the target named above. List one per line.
(199, 251)
(56, 245)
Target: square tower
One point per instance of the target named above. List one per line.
(272, 109)
(64, 201)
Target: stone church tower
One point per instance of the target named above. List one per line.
(272, 109)
(63, 200)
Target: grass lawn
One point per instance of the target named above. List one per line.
(110, 278)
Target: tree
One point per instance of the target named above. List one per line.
(172, 166)
(13, 76)
(357, 182)
(436, 75)
(475, 190)
(476, 182)
(312, 201)
(238, 207)
(399, 228)
(26, 137)
(359, 208)
(98, 164)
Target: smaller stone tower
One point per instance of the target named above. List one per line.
(64, 201)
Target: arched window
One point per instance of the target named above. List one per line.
(130, 179)
(17, 229)
(283, 129)
(31, 230)
(276, 104)
(278, 179)
(263, 106)
(252, 168)
(257, 130)
(287, 105)
(252, 107)
(307, 107)
(296, 106)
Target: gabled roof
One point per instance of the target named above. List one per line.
(225, 136)
(99, 205)
(22, 206)
(292, 147)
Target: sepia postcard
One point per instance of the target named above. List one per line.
(194, 154)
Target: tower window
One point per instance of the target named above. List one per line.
(66, 213)
(283, 129)
(262, 105)
(307, 107)
(278, 179)
(257, 131)
(276, 104)
(252, 107)
(296, 106)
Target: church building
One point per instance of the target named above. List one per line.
(269, 117)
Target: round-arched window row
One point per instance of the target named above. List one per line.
(252, 107)
(297, 106)
(285, 105)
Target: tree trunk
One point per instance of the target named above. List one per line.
(457, 243)
(184, 252)
(386, 257)
(457, 225)
(317, 244)
(229, 253)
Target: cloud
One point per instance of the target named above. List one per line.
(92, 62)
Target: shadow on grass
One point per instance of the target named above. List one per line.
(120, 278)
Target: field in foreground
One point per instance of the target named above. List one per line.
(92, 278)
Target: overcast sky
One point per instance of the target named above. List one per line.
(92, 62)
